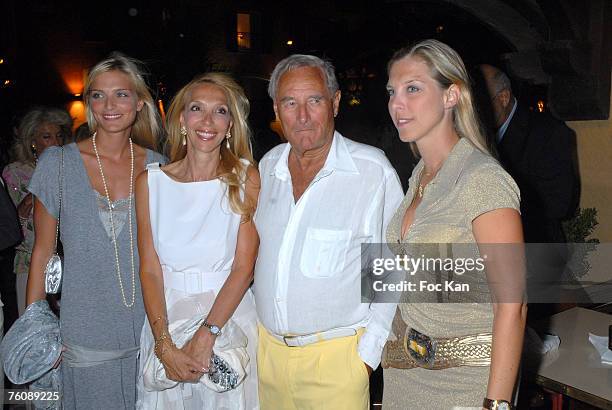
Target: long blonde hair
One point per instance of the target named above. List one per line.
(447, 68)
(231, 169)
(146, 128)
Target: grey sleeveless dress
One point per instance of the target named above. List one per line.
(92, 311)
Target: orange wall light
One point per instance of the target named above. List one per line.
(76, 109)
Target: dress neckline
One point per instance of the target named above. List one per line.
(187, 183)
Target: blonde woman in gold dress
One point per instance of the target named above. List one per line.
(458, 193)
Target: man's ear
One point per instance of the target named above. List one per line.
(336, 102)
(276, 112)
(451, 96)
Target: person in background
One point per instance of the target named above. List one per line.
(10, 235)
(40, 128)
(536, 150)
(539, 152)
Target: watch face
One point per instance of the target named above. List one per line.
(215, 330)
(503, 406)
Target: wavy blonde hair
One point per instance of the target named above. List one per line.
(146, 128)
(232, 171)
(447, 68)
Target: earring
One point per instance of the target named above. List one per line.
(228, 136)
(34, 152)
(184, 134)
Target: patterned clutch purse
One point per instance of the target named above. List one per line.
(222, 375)
(53, 274)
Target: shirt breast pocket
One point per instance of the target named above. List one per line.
(324, 252)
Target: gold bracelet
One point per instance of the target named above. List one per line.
(157, 319)
(159, 343)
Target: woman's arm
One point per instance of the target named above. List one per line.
(505, 273)
(178, 365)
(237, 283)
(44, 243)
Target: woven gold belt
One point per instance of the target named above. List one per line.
(418, 350)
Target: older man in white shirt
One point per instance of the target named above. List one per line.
(322, 196)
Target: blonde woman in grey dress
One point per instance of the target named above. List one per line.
(102, 311)
(458, 194)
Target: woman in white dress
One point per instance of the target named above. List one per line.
(198, 244)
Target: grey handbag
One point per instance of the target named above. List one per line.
(30, 349)
(55, 266)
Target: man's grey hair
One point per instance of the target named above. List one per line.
(501, 82)
(303, 60)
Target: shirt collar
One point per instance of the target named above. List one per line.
(338, 159)
(502, 130)
(451, 168)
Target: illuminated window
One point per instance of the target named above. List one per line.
(243, 31)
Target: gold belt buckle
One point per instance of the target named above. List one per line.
(421, 348)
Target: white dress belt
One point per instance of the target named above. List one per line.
(193, 282)
(304, 340)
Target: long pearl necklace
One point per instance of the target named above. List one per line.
(110, 212)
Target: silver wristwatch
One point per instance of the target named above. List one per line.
(214, 329)
(496, 404)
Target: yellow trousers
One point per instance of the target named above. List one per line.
(320, 376)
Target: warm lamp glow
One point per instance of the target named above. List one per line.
(289, 42)
(7, 82)
(540, 106)
(1, 60)
(76, 109)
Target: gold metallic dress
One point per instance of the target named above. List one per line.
(469, 184)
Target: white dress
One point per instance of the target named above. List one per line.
(194, 235)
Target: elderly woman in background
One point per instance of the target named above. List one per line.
(40, 128)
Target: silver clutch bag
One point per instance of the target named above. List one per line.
(54, 268)
(53, 274)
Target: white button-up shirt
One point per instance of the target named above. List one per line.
(308, 272)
